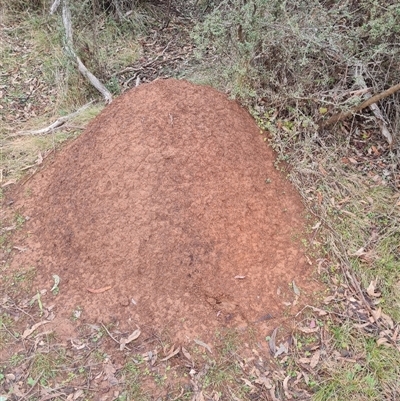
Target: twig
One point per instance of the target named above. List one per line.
(54, 6)
(66, 17)
(105, 328)
(374, 99)
(57, 124)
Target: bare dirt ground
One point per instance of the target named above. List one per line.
(167, 213)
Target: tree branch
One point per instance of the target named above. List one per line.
(374, 99)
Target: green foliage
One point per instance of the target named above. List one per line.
(287, 50)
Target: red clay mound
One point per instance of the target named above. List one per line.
(170, 198)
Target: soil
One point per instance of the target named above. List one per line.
(166, 214)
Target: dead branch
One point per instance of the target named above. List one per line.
(57, 124)
(374, 99)
(54, 6)
(66, 16)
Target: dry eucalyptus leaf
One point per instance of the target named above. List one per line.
(329, 299)
(187, 354)
(282, 349)
(132, 337)
(315, 359)
(173, 353)
(359, 252)
(265, 381)
(376, 314)
(202, 344)
(109, 371)
(296, 289)
(371, 290)
(28, 332)
(308, 330)
(316, 226)
(271, 342)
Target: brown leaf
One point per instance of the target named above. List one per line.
(308, 330)
(28, 332)
(109, 371)
(315, 359)
(271, 342)
(376, 314)
(322, 170)
(124, 341)
(173, 353)
(329, 299)
(371, 290)
(187, 354)
(286, 387)
(99, 290)
(202, 344)
(359, 252)
(264, 381)
(295, 288)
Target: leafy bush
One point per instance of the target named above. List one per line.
(302, 50)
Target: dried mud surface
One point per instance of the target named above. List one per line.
(170, 201)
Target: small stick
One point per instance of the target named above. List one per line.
(374, 99)
(105, 328)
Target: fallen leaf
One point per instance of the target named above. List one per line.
(173, 353)
(264, 381)
(329, 299)
(359, 252)
(28, 332)
(271, 342)
(109, 371)
(39, 160)
(382, 341)
(282, 349)
(371, 290)
(56, 282)
(376, 314)
(316, 226)
(124, 341)
(315, 359)
(247, 382)
(286, 388)
(295, 289)
(388, 320)
(206, 346)
(308, 330)
(322, 170)
(99, 290)
(187, 354)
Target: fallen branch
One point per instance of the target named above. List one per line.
(66, 17)
(54, 6)
(57, 124)
(374, 99)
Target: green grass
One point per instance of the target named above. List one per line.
(373, 377)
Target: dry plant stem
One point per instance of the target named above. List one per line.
(58, 123)
(66, 16)
(54, 6)
(114, 339)
(377, 113)
(341, 116)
